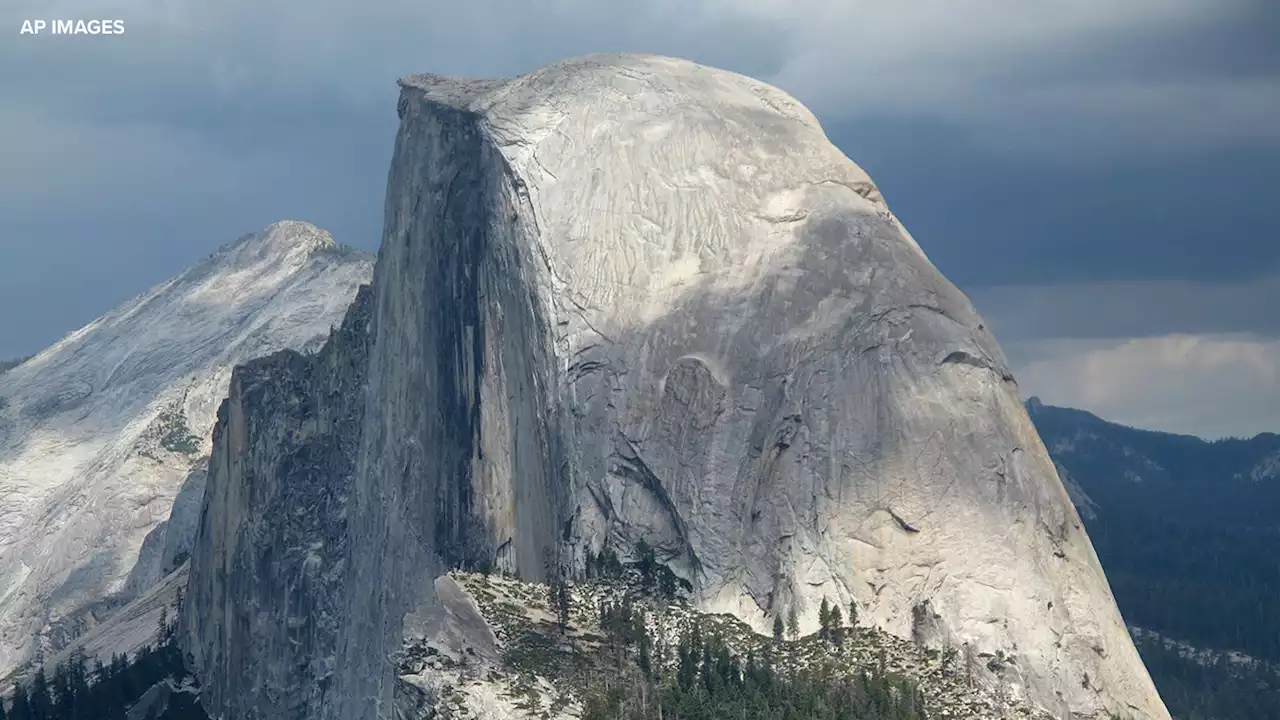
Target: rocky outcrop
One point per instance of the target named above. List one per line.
(98, 432)
(127, 629)
(538, 668)
(630, 298)
(168, 545)
(272, 534)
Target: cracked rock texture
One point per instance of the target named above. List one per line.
(625, 298)
(260, 618)
(99, 431)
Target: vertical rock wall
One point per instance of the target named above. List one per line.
(626, 298)
(459, 458)
(262, 616)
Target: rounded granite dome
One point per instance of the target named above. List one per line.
(768, 380)
(592, 79)
(629, 298)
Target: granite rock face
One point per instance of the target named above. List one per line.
(168, 545)
(626, 298)
(98, 432)
(271, 537)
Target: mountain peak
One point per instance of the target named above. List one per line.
(100, 430)
(294, 233)
(281, 240)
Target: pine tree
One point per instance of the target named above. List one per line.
(41, 703)
(824, 619)
(21, 708)
(557, 590)
(837, 624)
(778, 627)
(853, 613)
(970, 662)
(562, 599)
(793, 623)
(666, 582)
(63, 694)
(162, 627)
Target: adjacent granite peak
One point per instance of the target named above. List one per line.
(99, 431)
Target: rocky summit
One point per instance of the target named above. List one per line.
(623, 299)
(101, 431)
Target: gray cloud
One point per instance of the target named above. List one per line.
(1064, 77)
(1192, 357)
(1207, 385)
(1132, 309)
(1093, 170)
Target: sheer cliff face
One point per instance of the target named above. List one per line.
(98, 432)
(271, 542)
(629, 297)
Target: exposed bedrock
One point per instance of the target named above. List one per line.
(630, 297)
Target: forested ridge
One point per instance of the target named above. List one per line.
(1187, 532)
(704, 679)
(628, 645)
(78, 689)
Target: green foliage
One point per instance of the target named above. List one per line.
(104, 691)
(559, 594)
(707, 680)
(1195, 689)
(560, 600)
(164, 631)
(604, 566)
(655, 577)
(175, 436)
(77, 693)
(1190, 551)
(830, 622)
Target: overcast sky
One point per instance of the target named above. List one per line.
(1100, 176)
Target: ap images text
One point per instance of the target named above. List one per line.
(72, 27)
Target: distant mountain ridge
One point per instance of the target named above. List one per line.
(98, 431)
(1188, 531)
(1098, 450)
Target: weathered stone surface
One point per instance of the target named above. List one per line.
(168, 545)
(98, 432)
(625, 298)
(260, 621)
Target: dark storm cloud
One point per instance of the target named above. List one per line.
(1039, 152)
(987, 219)
(1132, 309)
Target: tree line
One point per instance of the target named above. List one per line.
(703, 678)
(79, 689)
